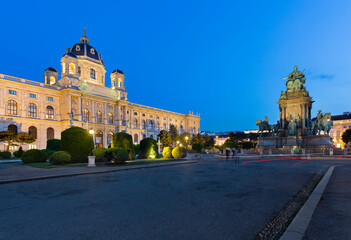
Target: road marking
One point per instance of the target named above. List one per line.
(298, 226)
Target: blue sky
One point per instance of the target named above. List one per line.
(223, 59)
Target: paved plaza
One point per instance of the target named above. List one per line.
(210, 199)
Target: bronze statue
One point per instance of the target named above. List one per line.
(296, 79)
(322, 123)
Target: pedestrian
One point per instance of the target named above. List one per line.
(227, 152)
(234, 152)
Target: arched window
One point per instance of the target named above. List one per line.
(63, 67)
(72, 68)
(136, 138)
(99, 139)
(50, 133)
(135, 123)
(181, 128)
(12, 107)
(99, 117)
(110, 118)
(12, 128)
(144, 136)
(85, 115)
(152, 136)
(143, 124)
(120, 83)
(109, 137)
(32, 110)
(52, 80)
(152, 125)
(164, 126)
(49, 112)
(158, 126)
(33, 132)
(92, 73)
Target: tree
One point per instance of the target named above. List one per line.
(165, 138)
(231, 136)
(173, 133)
(346, 136)
(11, 138)
(184, 138)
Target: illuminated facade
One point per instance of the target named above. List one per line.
(79, 97)
(340, 124)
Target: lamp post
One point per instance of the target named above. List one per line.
(91, 158)
(186, 142)
(178, 143)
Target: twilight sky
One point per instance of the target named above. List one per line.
(223, 59)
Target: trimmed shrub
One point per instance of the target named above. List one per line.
(53, 144)
(167, 152)
(18, 153)
(60, 157)
(117, 155)
(148, 148)
(48, 152)
(34, 156)
(229, 144)
(77, 142)
(5, 154)
(99, 153)
(196, 147)
(179, 152)
(125, 141)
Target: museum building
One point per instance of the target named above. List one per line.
(80, 98)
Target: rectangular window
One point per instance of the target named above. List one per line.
(32, 146)
(31, 95)
(12, 92)
(50, 99)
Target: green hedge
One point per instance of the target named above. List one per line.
(116, 155)
(125, 141)
(5, 154)
(48, 152)
(148, 148)
(99, 153)
(60, 157)
(53, 144)
(179, 152)
(18, 153)
(196, 147)
(34, 156)
(77, 142)
(167, 152)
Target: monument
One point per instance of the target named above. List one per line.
(295, 128)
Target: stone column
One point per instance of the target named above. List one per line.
(105, 143)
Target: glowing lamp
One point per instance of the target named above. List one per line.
(91, 131)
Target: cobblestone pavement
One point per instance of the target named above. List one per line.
(211, 199)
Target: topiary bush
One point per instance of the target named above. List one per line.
(99, 153)
(167, 152)
(77, 142)
(148, 148)
(60, 157)
(53, 144)
(117, 155)
(179, 152)
(18, 153)
(48, 152)
(125, 141)
(5, 154)
(34, 156)
(196, 147)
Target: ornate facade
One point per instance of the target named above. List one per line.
(79, 97)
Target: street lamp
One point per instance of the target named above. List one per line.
(178, 143)
(91, 158)
(186, 141)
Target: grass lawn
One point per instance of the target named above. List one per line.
(48, 165)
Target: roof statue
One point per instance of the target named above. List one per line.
(296, 79)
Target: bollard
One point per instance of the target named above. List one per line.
(91, 161)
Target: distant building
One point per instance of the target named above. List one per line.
(80, 98)
(340, 124)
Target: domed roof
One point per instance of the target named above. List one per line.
(84, 49)
(118, 71)
(51, 69)
(70, 54)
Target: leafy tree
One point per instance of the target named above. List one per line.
(247, 145)
(173, 133)
(165, 138)
(231, 136)
(197, 138)
(346, 136)
(183, 138)
(239, 136)
(12, 138)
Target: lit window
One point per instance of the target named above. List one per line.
(49, 112)
(32, 110)
(12, 92)
(63, 67)
(32, 146)
(50, 99)
(52, 80)
(12, 107)
(99, 117)
(92, 73)
(71, 68)
(31, 95)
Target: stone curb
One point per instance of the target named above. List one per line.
(298, 226)
(141, 166)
